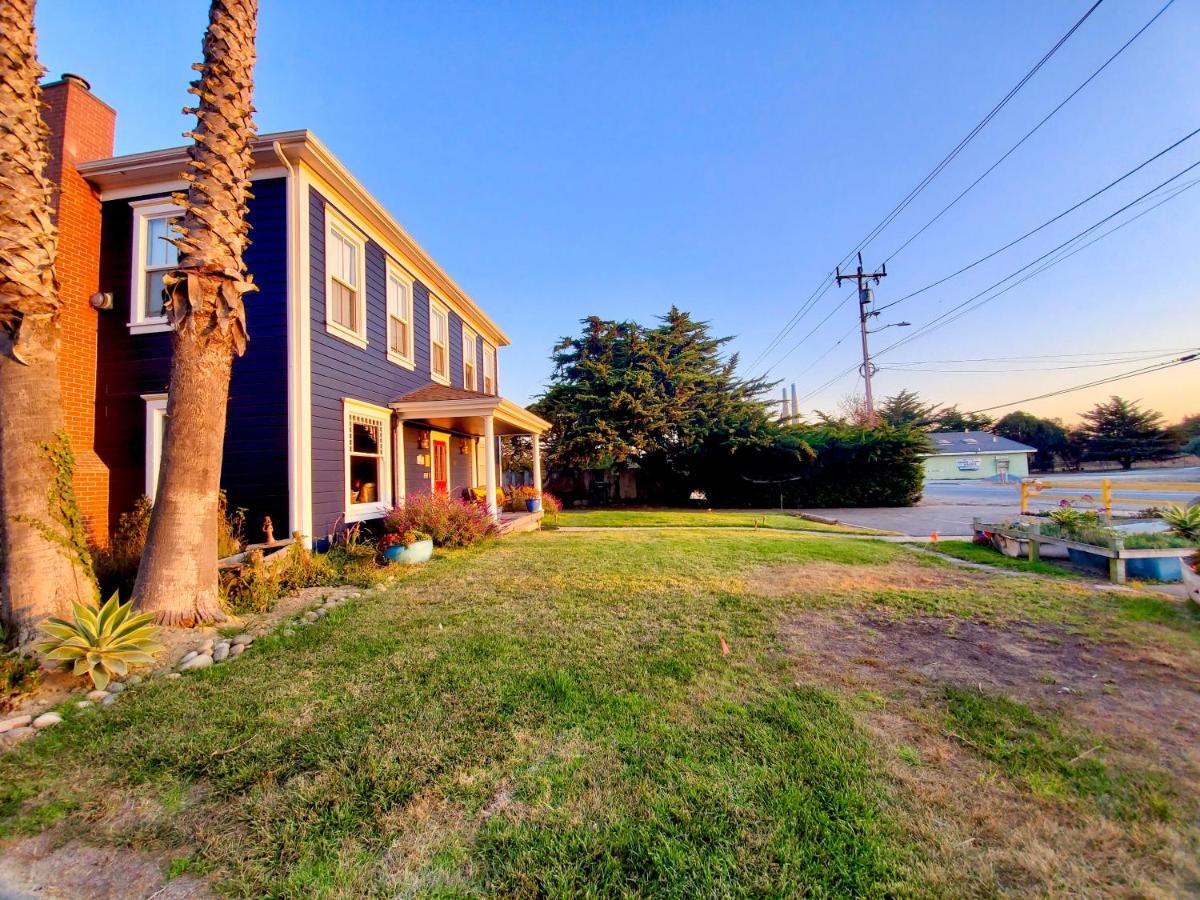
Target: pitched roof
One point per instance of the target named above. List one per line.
(975, 442)
(433, 392)
(157, 166)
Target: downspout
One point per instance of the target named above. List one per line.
(297, 490)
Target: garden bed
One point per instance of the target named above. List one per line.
(1157, 562)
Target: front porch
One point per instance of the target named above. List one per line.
(517, 522)
(447, 440)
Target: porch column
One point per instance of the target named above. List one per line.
(398, 462)
(498, 452)
(537, 463)
(489, 441)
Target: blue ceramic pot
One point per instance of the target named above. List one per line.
(534, 504)
(412, 555)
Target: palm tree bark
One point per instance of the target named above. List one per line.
(177, 580)
(43, 562)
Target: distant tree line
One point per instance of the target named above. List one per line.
(1116, 430)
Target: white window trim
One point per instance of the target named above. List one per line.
(143, 211)
(156, 413)
(470, 337)
(360, 512)
(408, 360)
(359, 337)
(489, 350)
(437, 305)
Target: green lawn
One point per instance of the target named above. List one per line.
(686, 518)
(973, 552)
(552, 715)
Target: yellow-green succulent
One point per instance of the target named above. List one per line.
(101, 642)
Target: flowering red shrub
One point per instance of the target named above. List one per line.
(450, 522)
(551, 505)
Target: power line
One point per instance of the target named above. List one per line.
(1045, 224)
(814, 330)
(1031, 132)
(1183, 360)
(827, 281)
(1100, 364)
(925, 362)
(1054, 262)
(925, 329)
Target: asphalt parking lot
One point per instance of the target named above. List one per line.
(949, 506)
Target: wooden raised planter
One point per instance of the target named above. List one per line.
(1118, 556)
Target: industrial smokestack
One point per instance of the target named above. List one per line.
(795, 405)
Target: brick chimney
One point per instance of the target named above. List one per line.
(81, 129)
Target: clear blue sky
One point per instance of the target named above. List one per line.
(562, 160)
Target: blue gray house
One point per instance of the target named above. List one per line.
(370, 375)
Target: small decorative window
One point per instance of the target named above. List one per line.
(156, 427)
(345, 296)
(153, 257)
(489, 369)
(470, 359)
(400, 320)
(368, 473)
(439, 341)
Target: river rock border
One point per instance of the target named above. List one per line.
(206, 653)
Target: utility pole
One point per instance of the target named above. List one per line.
(865, 298)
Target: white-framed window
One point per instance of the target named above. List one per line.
(156, 425)
(489, 369)
(368, 444)
(470, 354)
(400, 317)
(345, 281)
(439, 341)
(153, 257)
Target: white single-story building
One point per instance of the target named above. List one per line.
(976, 454)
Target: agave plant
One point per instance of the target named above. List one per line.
(1184, 521)
(101, 642)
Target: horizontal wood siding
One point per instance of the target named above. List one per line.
(255, 459)
(343, 370)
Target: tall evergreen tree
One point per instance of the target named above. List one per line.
(907, 410)
(1047, 435)
(44, 564)
(624, 395)
(1121, 431)
(952, 419)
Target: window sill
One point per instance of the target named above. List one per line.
(149, 326)
(345, 334)
(401, 361)
(361, 512)
(440, 379)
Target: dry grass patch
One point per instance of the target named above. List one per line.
(1089, 789)
(906, 573)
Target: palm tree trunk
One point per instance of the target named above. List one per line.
(177, 579)
(44, 564)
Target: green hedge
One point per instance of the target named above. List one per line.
(829, 465)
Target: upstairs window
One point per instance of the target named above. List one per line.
(400, 322)
(345, 297)
(470, 360)
(489, 369)
(154, 256)
(439, 342)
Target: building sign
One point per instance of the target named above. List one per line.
(968, 464)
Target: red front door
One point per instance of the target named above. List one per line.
(441, 465)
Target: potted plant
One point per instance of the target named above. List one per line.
(408, 548)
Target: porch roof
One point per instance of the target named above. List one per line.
(457, 409)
